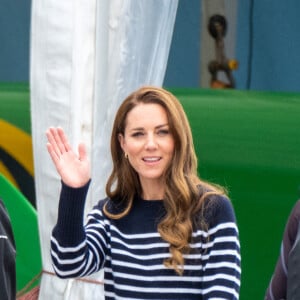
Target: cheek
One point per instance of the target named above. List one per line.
(171, 146)
(132, 147)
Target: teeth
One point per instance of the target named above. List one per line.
(151, 159)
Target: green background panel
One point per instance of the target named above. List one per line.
(249, 142)
(14, 104)
(246, 141)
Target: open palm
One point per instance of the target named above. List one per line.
(74, 169)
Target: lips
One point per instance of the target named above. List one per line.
(151, 159)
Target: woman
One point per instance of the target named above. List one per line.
(161, 233)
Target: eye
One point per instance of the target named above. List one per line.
(137, 134)
(163, 132)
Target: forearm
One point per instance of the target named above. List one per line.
(69, 227)
(68, 236)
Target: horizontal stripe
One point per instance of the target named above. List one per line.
(132, 254)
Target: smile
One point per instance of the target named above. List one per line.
(151, 159)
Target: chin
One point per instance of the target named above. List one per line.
(151, 176)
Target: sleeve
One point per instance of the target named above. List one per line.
(277, 288)
(73, 250)
(222, 264)
(7, 256)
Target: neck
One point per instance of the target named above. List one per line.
(152, 190)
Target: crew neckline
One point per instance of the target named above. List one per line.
(149, 200)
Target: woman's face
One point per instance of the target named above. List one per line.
(147, 141)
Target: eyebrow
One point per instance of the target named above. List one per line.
(156, 127)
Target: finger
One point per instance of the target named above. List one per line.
(82, 151)
(50, 133)
(59, 140)
(53, 154)
(64, 139)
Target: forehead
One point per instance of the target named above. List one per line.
(149, 113)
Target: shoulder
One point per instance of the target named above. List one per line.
(218, 209)
(101, 203)
(2, 208)
(4, 217)
(99, 207)
(113, 206)
(293, 220)
(5, 223)
(296, 209)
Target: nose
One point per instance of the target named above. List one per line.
(151, 142)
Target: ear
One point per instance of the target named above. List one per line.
(122, 141)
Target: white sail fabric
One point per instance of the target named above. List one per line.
(133, 41)
(86, 56)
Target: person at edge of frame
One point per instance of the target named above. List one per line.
(7, 257)
(285, 281)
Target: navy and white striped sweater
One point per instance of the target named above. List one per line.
(132, 252)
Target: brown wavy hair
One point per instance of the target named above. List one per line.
(185, 192)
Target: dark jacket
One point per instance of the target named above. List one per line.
(285, 281)
(7, 257)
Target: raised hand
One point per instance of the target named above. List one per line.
(74, 169)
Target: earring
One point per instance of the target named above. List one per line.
(126, 155)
